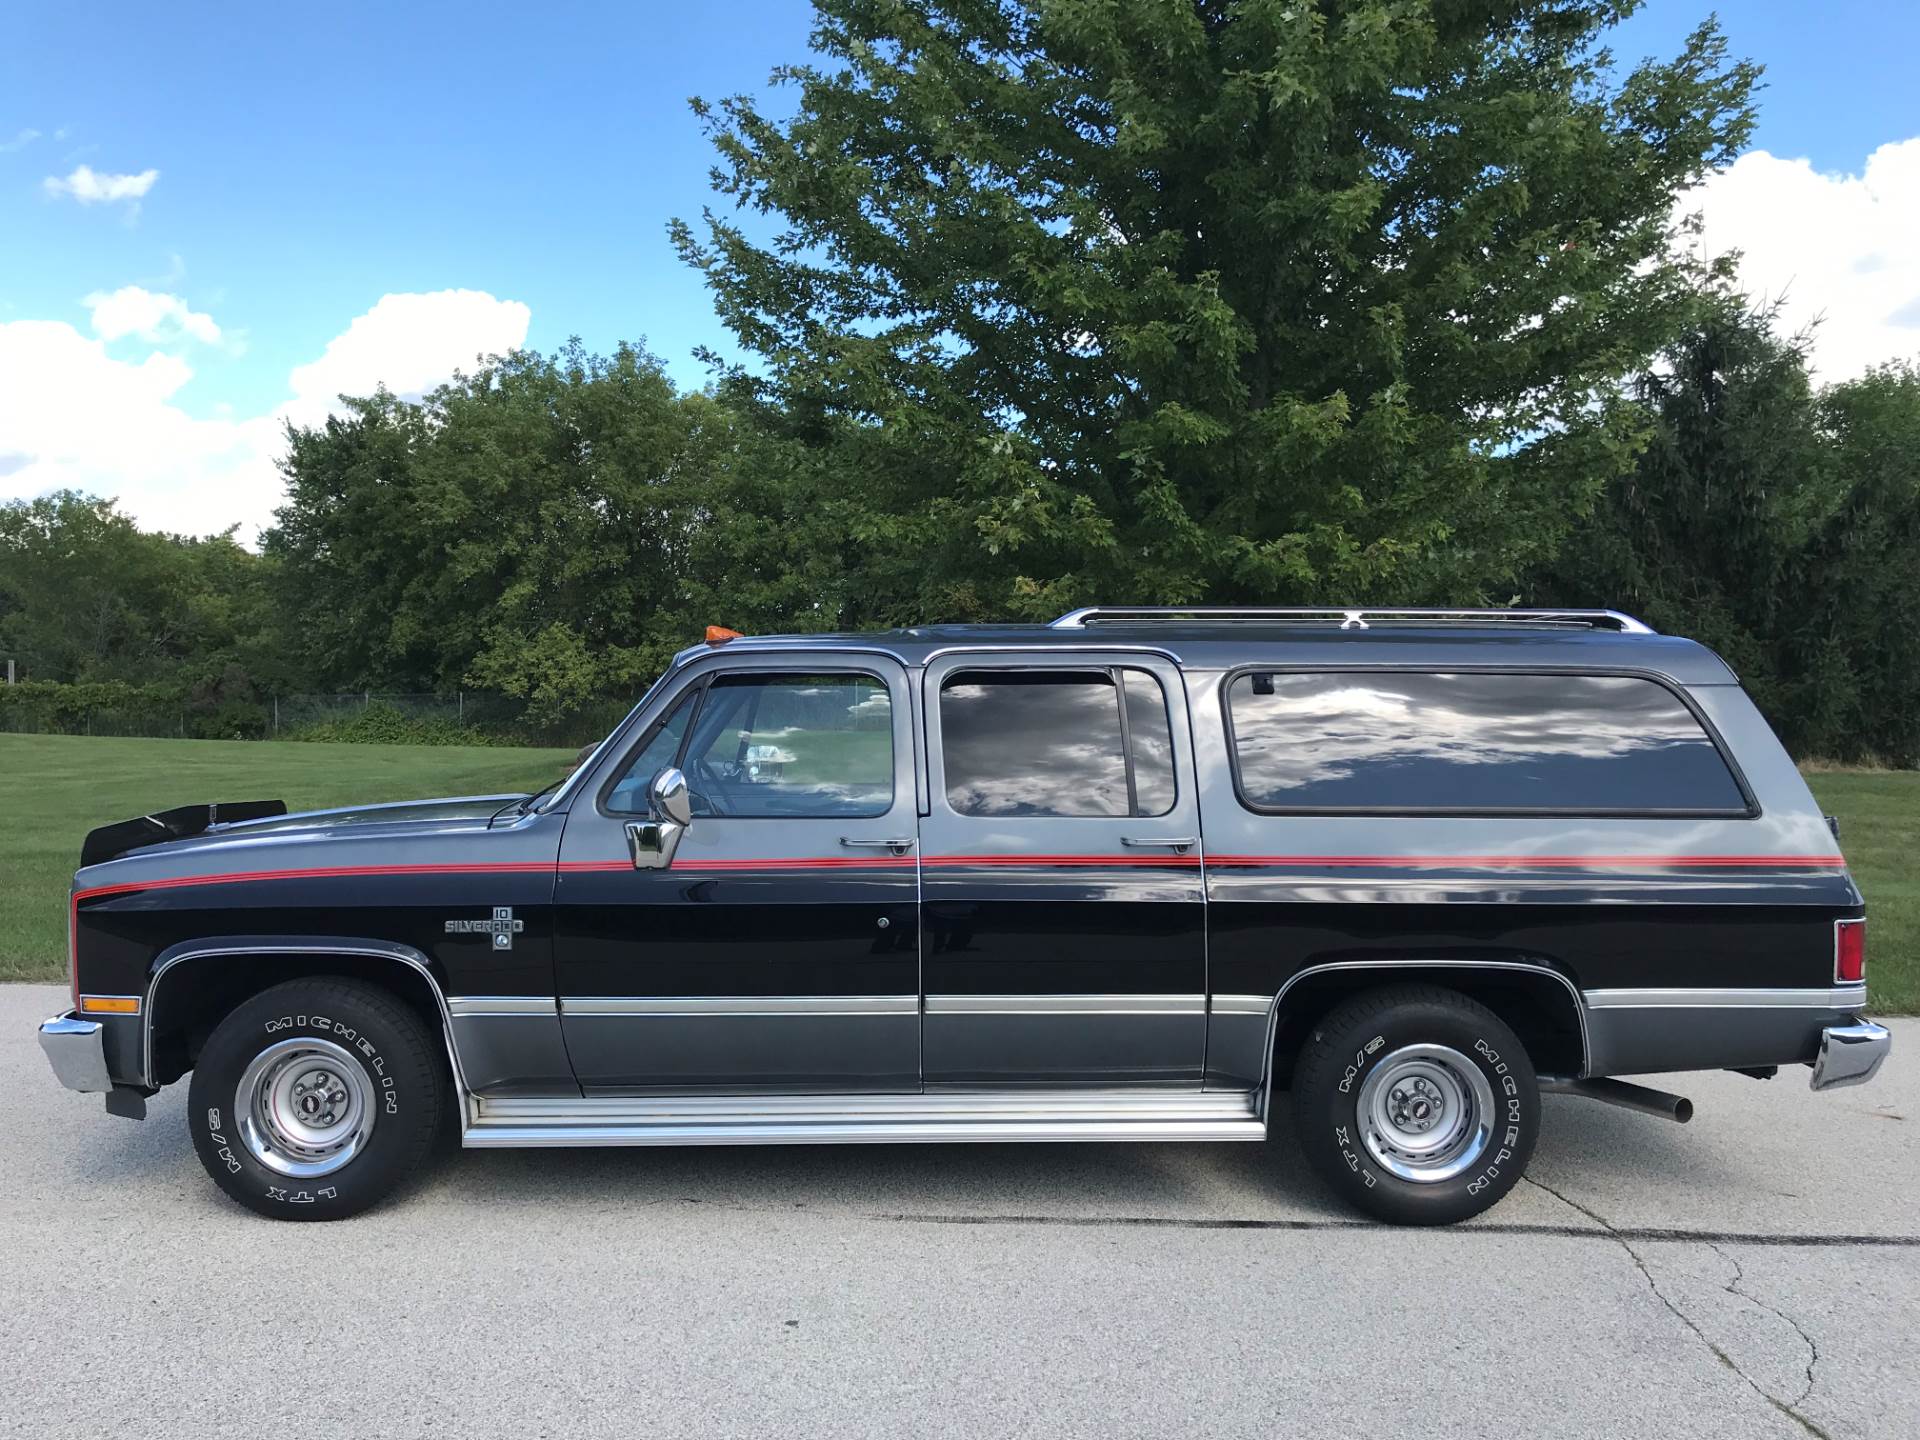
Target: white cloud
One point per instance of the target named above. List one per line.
(149, 315)
(93, 187)
(409, 343)
(74, 417)
(1837, 247)
(20, 141)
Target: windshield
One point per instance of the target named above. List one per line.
(567, 782)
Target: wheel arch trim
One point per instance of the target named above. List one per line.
(176, 955)
(1332, 966)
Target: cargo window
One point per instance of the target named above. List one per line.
(1056, 743)
(1416, 741)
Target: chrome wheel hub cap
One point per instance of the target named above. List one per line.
(1426, 1113)
(305, 1107)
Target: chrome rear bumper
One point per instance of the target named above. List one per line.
(77, 1051)
(1850, 1054)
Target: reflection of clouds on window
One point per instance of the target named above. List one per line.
(1473, 741)
(1032, 743)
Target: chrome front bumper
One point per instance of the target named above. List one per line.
(1850, 1054)
(77, 1051)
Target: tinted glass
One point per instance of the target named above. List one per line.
(794, 746)
(1050, 742)
(1153, 785)
(1472, 742)
(629, 793)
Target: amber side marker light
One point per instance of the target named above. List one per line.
(719, 634)
(1849, 951)
(109, 1004)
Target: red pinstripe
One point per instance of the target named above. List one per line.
(902, 862)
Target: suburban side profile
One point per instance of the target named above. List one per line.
(1140, 874)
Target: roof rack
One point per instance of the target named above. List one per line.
(1359, 619)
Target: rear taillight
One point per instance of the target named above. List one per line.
(1849, 952)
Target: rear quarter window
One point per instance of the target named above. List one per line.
(1473, 742)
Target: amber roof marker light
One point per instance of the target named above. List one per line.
(720, 634)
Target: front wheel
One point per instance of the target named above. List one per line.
(1416, 1104)
(316, 1099)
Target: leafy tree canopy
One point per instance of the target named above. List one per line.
(1229, 300)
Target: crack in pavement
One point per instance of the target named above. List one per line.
(1789, 1409)
(1649, 1234)
(1732, 1287)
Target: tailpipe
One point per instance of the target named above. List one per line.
(1676, 1108)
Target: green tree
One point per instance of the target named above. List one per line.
(1777, 523)
(1853, 636)
(86, 595)
(1705, 535)
(1229, 300)
(551, 527)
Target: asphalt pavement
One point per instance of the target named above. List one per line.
(1755, 1273)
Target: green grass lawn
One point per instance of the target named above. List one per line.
(1879, 813)
(54, 788)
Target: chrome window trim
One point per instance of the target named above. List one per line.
(1273, 1014)
(663, 1005)
(1836, 997)
(1066, 1004)
(468, 1006)
(376, 949)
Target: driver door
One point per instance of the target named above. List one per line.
(779, 950)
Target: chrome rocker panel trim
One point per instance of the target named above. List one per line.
(1850, 1054)
(1836, 997)
(735, 1005)
(77, 1051)
(850, 1119)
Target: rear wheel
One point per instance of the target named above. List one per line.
(316, 1099)
(1416, 1104)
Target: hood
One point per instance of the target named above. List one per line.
(229, 825)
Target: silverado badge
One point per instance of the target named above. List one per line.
(503, 927)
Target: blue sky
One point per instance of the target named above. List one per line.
(312, 160)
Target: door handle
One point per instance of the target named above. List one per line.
(898, 847)
(1173, 842)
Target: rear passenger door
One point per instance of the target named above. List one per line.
(1063, 910)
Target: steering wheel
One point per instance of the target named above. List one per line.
(709, 786)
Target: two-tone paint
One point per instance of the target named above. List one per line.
(923, 951)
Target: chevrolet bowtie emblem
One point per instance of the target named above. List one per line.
(503, 927)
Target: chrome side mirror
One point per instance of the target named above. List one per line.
(670, 797)
(652, 842)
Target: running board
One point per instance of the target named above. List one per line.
(948, 1117)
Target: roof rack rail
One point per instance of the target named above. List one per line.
(1354, 619)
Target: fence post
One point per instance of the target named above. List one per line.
(366, 700)
(461, 713)
(276, 715)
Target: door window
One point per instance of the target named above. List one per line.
(629, 793)
(811, 746)
(1056, 743)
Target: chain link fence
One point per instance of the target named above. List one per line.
(368, 716)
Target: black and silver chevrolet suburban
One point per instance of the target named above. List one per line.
(1135, 875)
